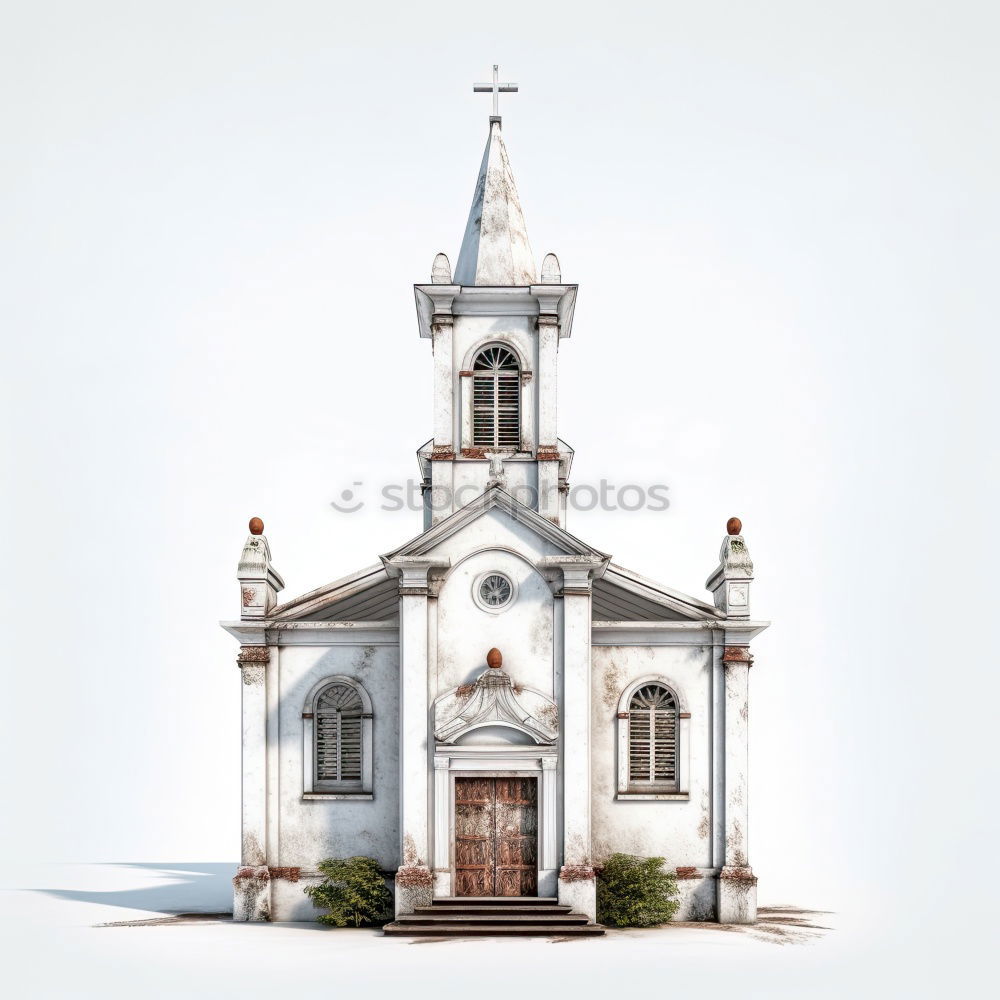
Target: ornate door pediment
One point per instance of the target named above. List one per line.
(494, 701)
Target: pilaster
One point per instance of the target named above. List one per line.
(252, 895)
(444, 385)
(571, 579)
(737, 902)
(414, 881)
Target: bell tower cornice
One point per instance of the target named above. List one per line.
(476, 300)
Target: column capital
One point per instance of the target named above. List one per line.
(413, 572)
(253, 654)
(573, 574)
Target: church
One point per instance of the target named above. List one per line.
(494, 707)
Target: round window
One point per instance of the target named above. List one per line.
(493, 591)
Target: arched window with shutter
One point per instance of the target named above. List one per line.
(652, 741)
(652, 737)
(337, 738)
(496, 399)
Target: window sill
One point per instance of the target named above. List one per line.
(336, 796)
(653, 796)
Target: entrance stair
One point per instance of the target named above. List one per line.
(493, 916)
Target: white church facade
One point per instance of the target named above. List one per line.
(494, 707)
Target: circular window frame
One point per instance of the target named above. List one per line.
(490, 608)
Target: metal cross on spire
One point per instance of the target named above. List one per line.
(496, 88)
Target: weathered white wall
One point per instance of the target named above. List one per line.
(307, 831)
(523, 632)
(676, 830)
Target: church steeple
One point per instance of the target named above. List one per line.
(495, 330)
(495, 248)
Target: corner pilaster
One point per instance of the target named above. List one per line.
(252, 889)
(737, 899)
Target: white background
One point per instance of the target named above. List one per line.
(783, 221)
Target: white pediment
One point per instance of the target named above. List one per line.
(495, 499)
(493, 701)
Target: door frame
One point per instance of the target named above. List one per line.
(451, 762)
(530, 784)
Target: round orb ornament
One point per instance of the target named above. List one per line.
(494, 659)
(734, 526)
(256, 526)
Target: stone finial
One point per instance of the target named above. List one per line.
(551, 271)
(441, 271)
(260, 582)
(494, 658)
(730, 583)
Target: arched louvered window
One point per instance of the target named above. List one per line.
(337, 727)
(653, 739)
(496, 399)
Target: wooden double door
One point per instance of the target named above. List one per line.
(496, 837)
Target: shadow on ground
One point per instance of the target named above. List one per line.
(176, 888)
(778, 924)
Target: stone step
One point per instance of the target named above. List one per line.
(495, 901)
(511, 929)
(493, 918)
(478, 908)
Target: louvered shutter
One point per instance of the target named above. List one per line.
(652, 737)
(483, 412)
(639, 755)
(508, 411)
(337, 724)
(350, 748)
(665, 746)
(496, 400)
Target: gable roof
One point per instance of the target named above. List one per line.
(496, 498)
(372, 594)
(366, 596)
(622, 595)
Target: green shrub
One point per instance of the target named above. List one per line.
(354, 892)
(635, 892)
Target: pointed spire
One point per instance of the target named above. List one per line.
(495, 249)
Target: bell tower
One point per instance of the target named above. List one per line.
(495, 328)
